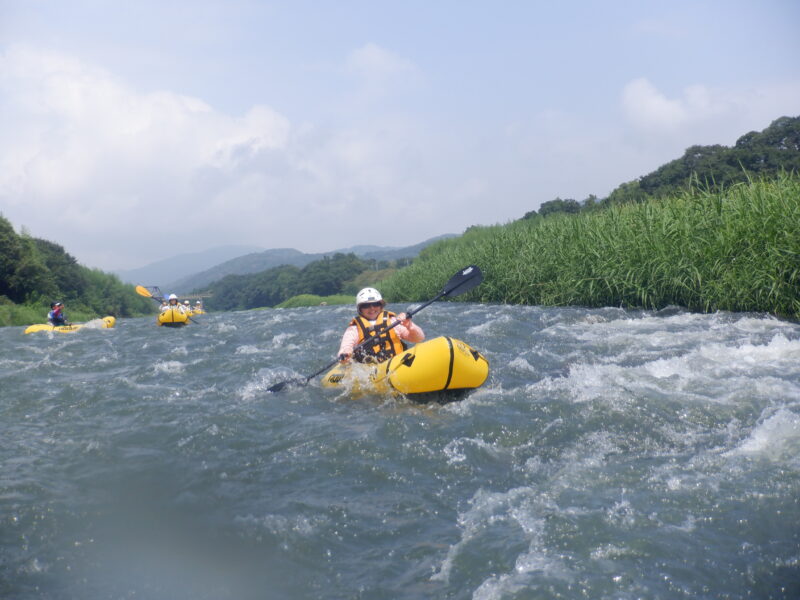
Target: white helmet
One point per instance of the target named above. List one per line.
(368, 295)
(186, 302)
(172, 297)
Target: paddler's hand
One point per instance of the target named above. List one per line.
(405, 320)
(344, 357)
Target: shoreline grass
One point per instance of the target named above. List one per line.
(736, 250)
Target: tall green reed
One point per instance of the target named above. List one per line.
(737, 249)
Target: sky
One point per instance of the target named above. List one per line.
(136, 131)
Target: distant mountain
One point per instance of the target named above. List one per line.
(377, 253)
(261, 261)
(170, 269)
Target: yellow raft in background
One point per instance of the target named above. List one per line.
(443, 364)
(172, 317)
(104, 323)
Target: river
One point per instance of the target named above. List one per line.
(612, 454)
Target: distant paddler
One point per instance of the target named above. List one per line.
(56, 316)
(173, 303)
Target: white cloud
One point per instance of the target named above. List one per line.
(120, 177)
(373, 62)
(381, 77)
(703, 114)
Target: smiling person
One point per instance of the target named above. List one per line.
(372, 322)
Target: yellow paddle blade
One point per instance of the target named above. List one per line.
(143, 291)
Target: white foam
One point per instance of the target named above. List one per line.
(169, 366)
(247, 349)
(518, 505)
(456, 450)
(281, 526)
(717, 372)
(776, 437)
(488, 326)
(520, 364)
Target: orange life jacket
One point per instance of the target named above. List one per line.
(387, 343)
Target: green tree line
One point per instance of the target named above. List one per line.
(337, 274)
(35, 272)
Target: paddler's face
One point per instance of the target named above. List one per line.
(371, 310)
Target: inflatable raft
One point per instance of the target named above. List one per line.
(173, 317)
(104, 323)
(443, 365)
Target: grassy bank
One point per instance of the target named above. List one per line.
(737, 250)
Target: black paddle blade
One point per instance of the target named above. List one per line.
(463, 281)
(279, 387)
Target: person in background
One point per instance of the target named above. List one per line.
(56, 315)
(372, 322)
(172, 302)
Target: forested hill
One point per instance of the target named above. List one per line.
(36, 272)
(755, 154)
(277, 257)
(331, 275)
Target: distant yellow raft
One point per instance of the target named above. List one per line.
(104, 323)
(443, 364)
(173, 317)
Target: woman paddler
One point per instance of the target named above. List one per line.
(372, 322)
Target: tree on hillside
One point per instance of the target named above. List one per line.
(69, 276)
(559, 206)
(325, 277)
(754, 154)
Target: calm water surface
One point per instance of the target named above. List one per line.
(612, 455)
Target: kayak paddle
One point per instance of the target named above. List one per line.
(155, 294)
(460, 283)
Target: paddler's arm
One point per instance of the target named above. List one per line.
(349, 341)
(408, 330)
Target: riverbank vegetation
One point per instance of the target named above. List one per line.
(732, 249)
(36, 272)
(330, 276)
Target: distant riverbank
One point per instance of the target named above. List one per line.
(735, 250)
